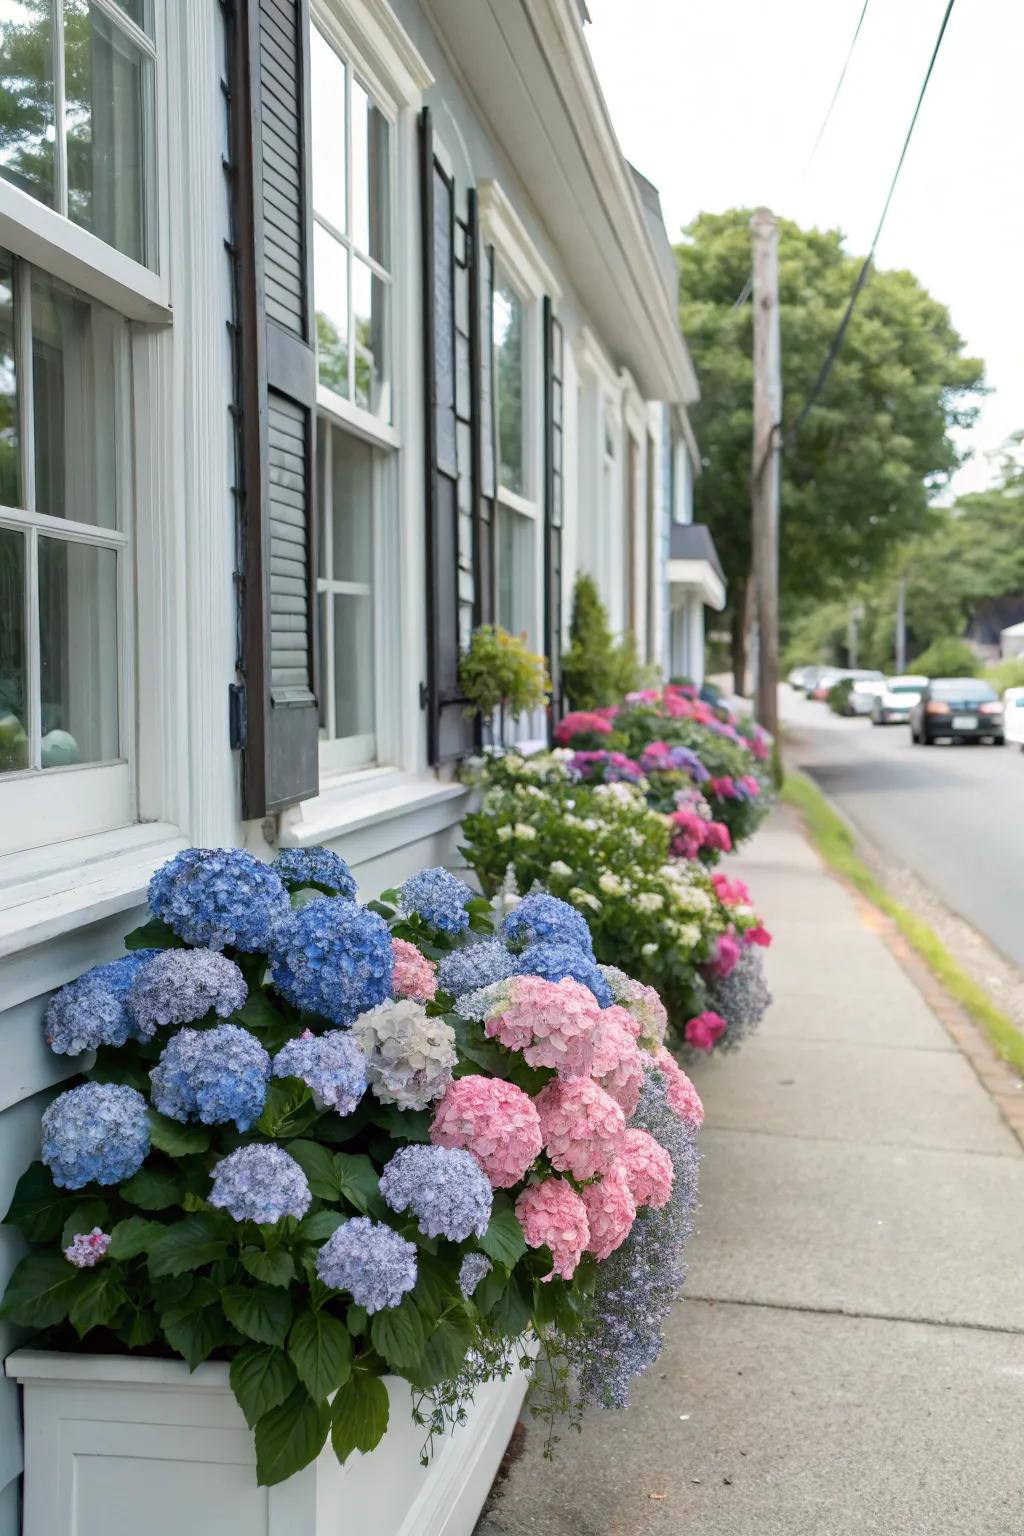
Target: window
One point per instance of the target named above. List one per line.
(77, 114)
(508, 356)
(352, 174)
(517, 512)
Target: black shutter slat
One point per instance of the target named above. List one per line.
(553, 504)
(481, 299)
(276, 398)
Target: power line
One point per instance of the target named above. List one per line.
(839, 85)
(862, 276)
(744, 293)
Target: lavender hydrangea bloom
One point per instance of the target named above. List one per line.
(478, 965)
(553, 961)
(472, 1270)
(438, 897)
(369, 1260)
(212, 1075)
(218, 896)
(332, 1066)
(96, 1133)
(300, 868)
(260, 1183)
(742, 998)
(93, 1010)
(332, 958)
(544, 919)
(443, 1187)
(179, 986)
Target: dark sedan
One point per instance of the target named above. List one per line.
(957, 709)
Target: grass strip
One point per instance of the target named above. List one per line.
(833, 839)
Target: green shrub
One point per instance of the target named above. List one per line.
(838, 697)
(1008, 673)
(501, 677)
(949, 657)
(597, 670)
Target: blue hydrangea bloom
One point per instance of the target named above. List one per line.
(179, 986)
(472, 1270)
(300, 868)
(212, 1075)
(372, 1262)
(443, 1187)
(332, 1066)
(478, 965)
(543, 919)
(553, 961)
(96, 1133)
(93, 1010)
(260, 1183)
(438, 897)
(218, 896)
(332, 958)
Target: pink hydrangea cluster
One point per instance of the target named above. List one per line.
(750, 784)
(648, 1168)
(727, 952)
(414, 976)
(611, 1210)
(87, 1248)
(551, 1022)
(581, 1126)
(758, 934)
(690, 833)
(731, 893)
(682, 1095)
(582, 722)
(618, 1065)
(717, 837)
(553, 1215)
(495, 1121)
(704, 1030)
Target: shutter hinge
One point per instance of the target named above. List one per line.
(237, 720)
(424, 696)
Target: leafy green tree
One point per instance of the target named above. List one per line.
(859, 479)
(948, 657)
(597, 670)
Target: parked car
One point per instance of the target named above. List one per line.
(802, 678)
(1013, 716)
(864, 693)
(896, 698)
(829, 676)
(959, 709)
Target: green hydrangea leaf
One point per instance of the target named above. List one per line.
(359, 1415)
(98, 1299)
(320, 1348)
(189, 1244)
(154, 1189)
(277, 1268)
(39, 1209)
(175, 1139)
(260, 1313)
(195, 1332)
(289, 1437)
(504, 1241)
(319, 1166)
(357, 1179)
(41, 1290)
(398, 1335)
(262, 1376)
(92, 1213)
(132, 1237)
(319, 1226)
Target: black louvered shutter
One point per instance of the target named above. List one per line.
(275, 398)
(554, 407)
(485, 474)
(447, 266)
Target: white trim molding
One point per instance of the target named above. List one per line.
(697, 576)
(501, 224)
(371, 33)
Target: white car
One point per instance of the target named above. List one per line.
(863, 694)
(896, 699)
(1013, 716)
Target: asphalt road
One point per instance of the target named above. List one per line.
(952, 814)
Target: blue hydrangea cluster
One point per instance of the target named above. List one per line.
(332, 958)
(638, 1285)
(544, 919)
(438, 897)
(472, 1270)
(260, 1183)
(332, 1066)
(93, 1010)
(218, 896)
(212, 1075)
(685, 760)
(372, 1262)
(302, 868)
(443, 1187)
(98, 1133)
(553, 961)
(478, 965)
(179, 986)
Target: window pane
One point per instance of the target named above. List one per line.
(370, 176)
(327, 88)
(77, 652)
(352, 508)
(508, 346)
(73, 397)
(14, 749)
(141, 12)
(369, 320)
(26, 97)
(330, 281)
(322, 602)
(515, 572)
(10, 461)
(109, 85)
(353, 664)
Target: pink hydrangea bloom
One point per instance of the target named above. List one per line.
(551, 1022)
(611, 1210)
(757, 935)
(727, 952)
(581, 1126)
(87, 1248)
(495, 1121)
(618, 1064)
(648, 1168)
(703, 1030)
(717, 837)
(414, 975)
(731, 893)
(689, 833)
(582, 722)
(682, 1095)
(751, 785)
(553, 1215)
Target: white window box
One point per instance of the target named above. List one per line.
(117, 1445)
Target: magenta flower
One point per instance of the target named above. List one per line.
(727, 952)
(704, 1030)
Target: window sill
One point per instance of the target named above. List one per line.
(51, 891)
(356, 801)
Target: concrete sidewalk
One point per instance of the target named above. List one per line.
(850, 1357)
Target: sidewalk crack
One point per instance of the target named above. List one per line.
(867, 1316)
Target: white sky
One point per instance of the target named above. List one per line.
(719, 102)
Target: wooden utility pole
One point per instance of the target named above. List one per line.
(901, 625)
(766, 468)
